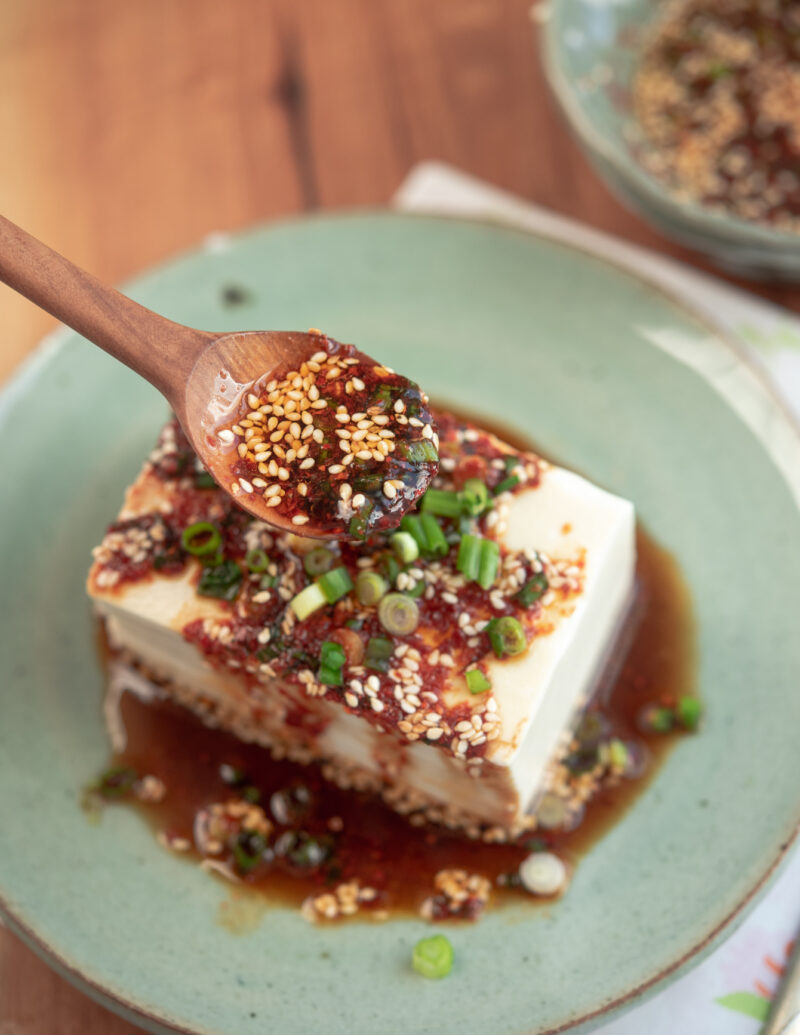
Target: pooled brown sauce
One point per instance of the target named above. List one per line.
(361, 837)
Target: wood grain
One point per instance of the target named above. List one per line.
(130, 131)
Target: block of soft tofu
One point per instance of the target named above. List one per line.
(538, 693)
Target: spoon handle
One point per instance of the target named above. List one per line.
(161, 351)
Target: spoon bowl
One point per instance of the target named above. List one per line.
(204, 376)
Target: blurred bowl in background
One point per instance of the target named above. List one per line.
(589, 51)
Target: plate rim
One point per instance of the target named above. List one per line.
(54, 341)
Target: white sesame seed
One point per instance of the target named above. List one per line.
(225, 436)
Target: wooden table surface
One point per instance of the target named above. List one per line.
(131, 130)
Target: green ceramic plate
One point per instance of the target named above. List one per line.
(606, 373)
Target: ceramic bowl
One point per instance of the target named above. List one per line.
(589, 50)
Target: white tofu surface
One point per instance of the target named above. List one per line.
(537, 693)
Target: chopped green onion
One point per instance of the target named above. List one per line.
(200, 538)
(506, 636)
(506, 484)
(417, 590)
(617, 755)
(203, 480)
(405, 547)
(331, 661)
(654, 719)
(248, 848)
(307, 601)
(378, 652)
(398, 614)
(412, 524)
(354, 623)
(689, 712)
(116, 782)
(335, 584)
(389, 566)
(489, 563)
(370, 587)
(533, 590)
(433, 957)
(257, 561)
(211, 560)
(318, 561)
(268, 582)
(477, 681)
(437, 501)
(359, 521)
(474, 497)
(469, 556)
(437, 544)
(220, 580)
(418, 452)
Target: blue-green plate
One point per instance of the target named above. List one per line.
(605, 372)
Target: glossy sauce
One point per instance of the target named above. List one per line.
(340, 445)
(371, 843)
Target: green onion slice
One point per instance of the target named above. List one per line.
(200, 538)
(203, 480)
(506, 484)
(257, 561)
(331, 662)
(359, 522)
(689, 712)
(412, 524)
(477, 681)
(379, 650)
(489, 563)
(438, 546)
(437, 501)
(405, 547)
(220, 580)
(474, 497)
(335, 584)
(370, 587)
(433, 957)
(533, 590)
(506, 636)
(398, 614)
(469, 556)
(655, 719)
(308, 600)
(116, 782)
(248, 848)
(418, 452)
(318, 561)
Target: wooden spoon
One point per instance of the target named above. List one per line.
(201, 374)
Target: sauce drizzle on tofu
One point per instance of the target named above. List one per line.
(280, 827)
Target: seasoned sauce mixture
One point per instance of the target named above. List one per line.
(717, 94)
(343, 444)
(278, 826)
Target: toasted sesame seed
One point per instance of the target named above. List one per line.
(300, 519)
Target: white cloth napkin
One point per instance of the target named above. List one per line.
(728, 993)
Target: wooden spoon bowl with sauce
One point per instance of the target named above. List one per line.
(309, 435)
